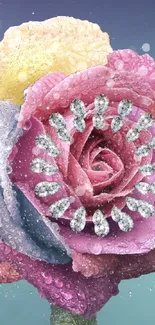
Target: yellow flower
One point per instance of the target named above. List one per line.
(33, 49)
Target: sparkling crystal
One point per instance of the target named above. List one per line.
(79, 124)
(133, 134)
(125, 107)
(102, 229)
(39, 165)
(126, 223)
(143, 187)
(116, 214)
(49, 169)
(116, 124)
(147, 169)
(43, 141)
(77, 107)
(98, 217)
(44, 189)
(142, 151)
(152, 143)
(152, 187)
(78, 221)
(57, 121)
(146, 209)
(98, 121)
(101, 103)
(145, 121)
(58, 208)
(132, 203)
(63, 134)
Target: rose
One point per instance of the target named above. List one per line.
(105, 271)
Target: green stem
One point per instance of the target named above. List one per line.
(60, 316)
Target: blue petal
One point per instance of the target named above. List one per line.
(21, 226)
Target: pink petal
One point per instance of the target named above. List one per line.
(60, 285)
(36, 93)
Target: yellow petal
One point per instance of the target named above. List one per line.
(33, 49)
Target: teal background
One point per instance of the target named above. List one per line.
(20, 304)
(130, 25)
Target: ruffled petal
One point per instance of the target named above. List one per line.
(34, 49)
(62, 286)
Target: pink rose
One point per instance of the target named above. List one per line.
(90, 137)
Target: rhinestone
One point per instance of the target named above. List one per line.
(125, 107)
(145, 121)
(116, 214)
(57, 121)
(43, 189)
(152, 187)
(145, 209)
(102, 229)
(152, 143)
(97, 217)
(58, 208)
(101, 103)
(77, 107)
(143, 187)
(39, 165)
(133, 134)
(79, 124)
(43, 141)
(79, 219)
(116, 124)
(126, 223)
(98, 121)
(49, 169)
(132, 203)
(63, 134)
(147, 169)
(142, 151)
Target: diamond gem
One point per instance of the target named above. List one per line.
(125, 107)
(102, 229)
(126, 223)
(143, 187)
(133, 134)
(98, 217)
(101, 103)
(142, 151)
(58, 208)
(44, 189)
(78, 221)
(152, 187)
(145, 121)
(39, 165)
(79, 124)
(57, 121)
(63, 134)
(132, 203)
(98, 121)
(77, 107)
(43, 141)
(116, 124)
(146, 169)
(116, 214)
(146, 209)
(152, 143)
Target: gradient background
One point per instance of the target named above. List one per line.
(130, 25)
